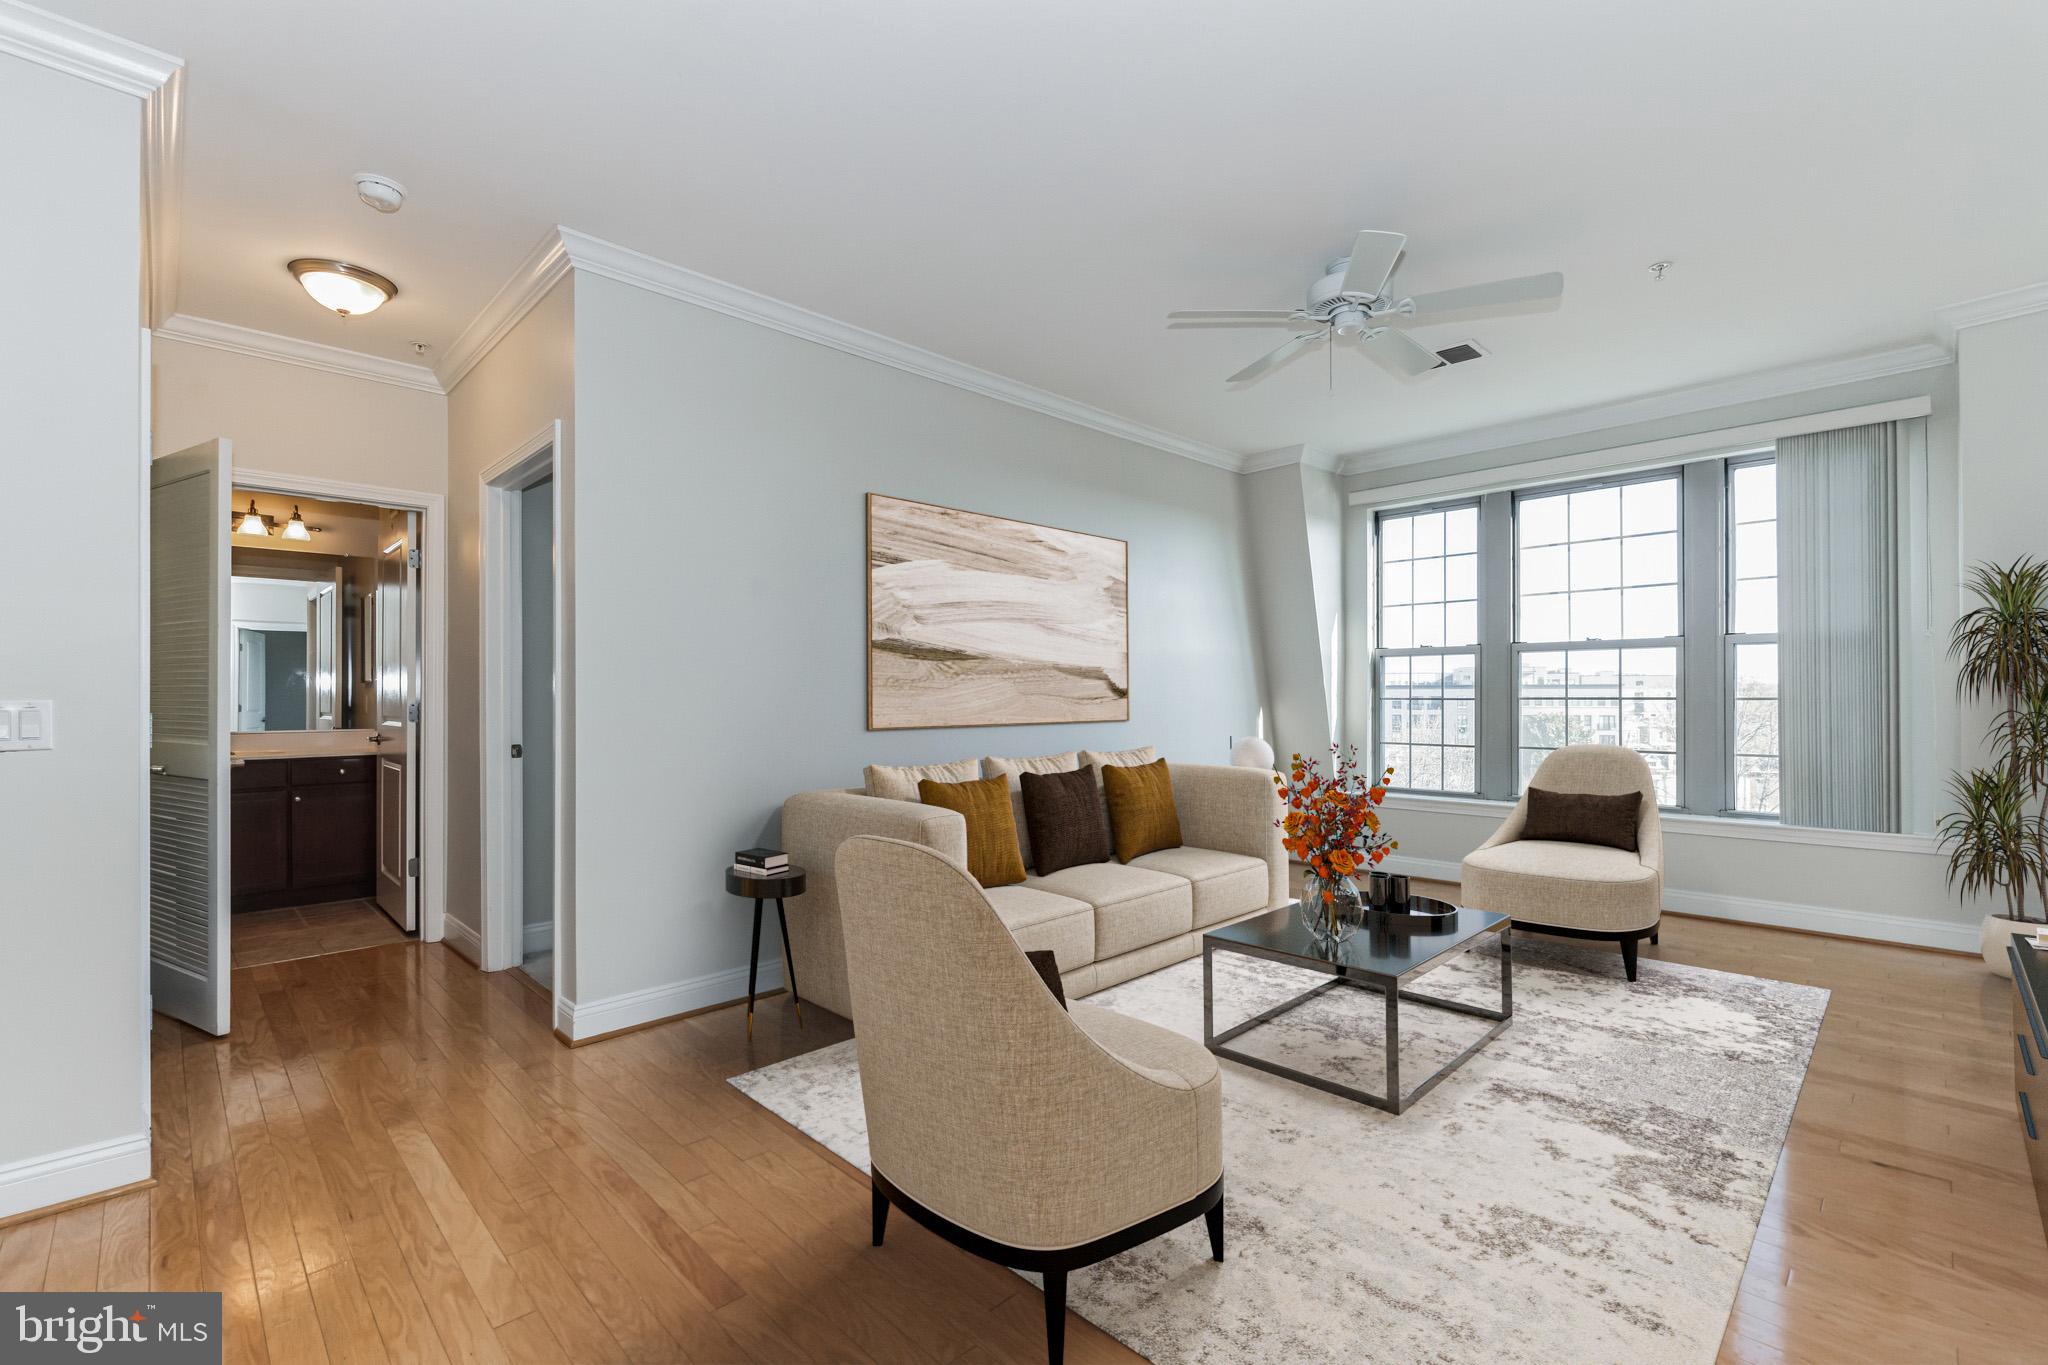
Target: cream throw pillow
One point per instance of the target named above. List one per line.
(1012, 768)
(1119, 758)
(900, 784)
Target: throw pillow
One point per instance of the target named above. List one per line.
(1064, 815)
(992, 854)
(1583, 818)
(1013, 768)
(1142, 817)
(1118, 758)
(1048, 969)
(900, 784)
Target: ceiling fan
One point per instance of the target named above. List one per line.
(1352, 302)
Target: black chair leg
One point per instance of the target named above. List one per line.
(1653, 937)
(1628, 957)
(1215, 1218)
(881, 1211)
(1055, 1316)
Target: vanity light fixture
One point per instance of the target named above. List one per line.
(295, 529)
(340, 287)
(253, 522)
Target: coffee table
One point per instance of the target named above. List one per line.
(1383, 955)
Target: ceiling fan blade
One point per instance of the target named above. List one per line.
(1372, 262)
(1235, 322)
(1398, 353)
(1214, 314)
(1498, 294)
(1284, 351)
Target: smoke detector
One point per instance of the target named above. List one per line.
(380, 192)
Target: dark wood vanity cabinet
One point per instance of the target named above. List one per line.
(2030, 1059)
(304, 830)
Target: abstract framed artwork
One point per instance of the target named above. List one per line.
(981, 620)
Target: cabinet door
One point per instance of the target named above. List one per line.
(331, 834)
(261, 825)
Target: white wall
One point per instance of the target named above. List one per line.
(524, 383)
(71, 893)
(720, 589)
(1893, 886)
(289, 419)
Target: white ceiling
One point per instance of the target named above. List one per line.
(1029, 187)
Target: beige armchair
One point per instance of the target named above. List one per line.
(1041, 1138)
(1577, 890)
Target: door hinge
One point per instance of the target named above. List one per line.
(412, 867)
(412, 711)
(412, 558)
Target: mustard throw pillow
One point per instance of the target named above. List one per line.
(1142, 818)
(992, 854)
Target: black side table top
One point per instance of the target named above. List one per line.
(789, 882)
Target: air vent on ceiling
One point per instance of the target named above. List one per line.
(1460, 353)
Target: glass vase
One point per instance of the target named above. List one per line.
(1330, 918)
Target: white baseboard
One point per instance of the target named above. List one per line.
(579, 1020)
(538, 938)
(63, 1176)
(463, 938)
(1916, 931)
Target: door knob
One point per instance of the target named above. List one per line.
(519, 751)
(159, 770)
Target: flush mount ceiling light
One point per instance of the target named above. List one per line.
(346, 289)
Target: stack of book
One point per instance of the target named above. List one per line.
(761, 862)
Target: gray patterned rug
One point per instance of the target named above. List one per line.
(1584, 1189)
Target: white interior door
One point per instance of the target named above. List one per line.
(397, 694)
(190, 655)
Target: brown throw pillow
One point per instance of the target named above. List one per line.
(1048, 969)
(1582, 818)
(1065, 820)
(992, 854)
(1142, 818)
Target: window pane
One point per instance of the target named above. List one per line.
(1593, 721)
(1647, 613)
(1429, 625)
(1650, 725)
(1397, 628)
(1396, 538)
(1461, 530)
(1649, 507)
(1429, 533)
(1755, 488)
(1756, 549)
(1426, 675)
(1664, 774)
(1428, 769)
(1393, 719)
(1461, 577)
(1429, 580)
(1596, 565)
(1756, 727)
(1756, 606)
(1596, 514)
(1397, 584)
(1460, 673)
(1542, 672)
(1461, 623)
(1756, 785)
(1426, 721)
(1542, 722)
(1756, 671)
(1544, 569)
(1394, 675)
(1545, 617)
(1531, 759)
(1395, 756)
(1461, 722)
(1541, 521)
(1596, 615)
(1594, 672)
(1650, 673)
(1460, 773)
(1649, 559)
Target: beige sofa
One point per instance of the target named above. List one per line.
(1103, 922)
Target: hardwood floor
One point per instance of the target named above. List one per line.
(259, 936)
(391, 1159)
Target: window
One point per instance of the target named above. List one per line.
(1599, 564)
(1752, 635)
(1426, 668)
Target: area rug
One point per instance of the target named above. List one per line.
(1584, 1189)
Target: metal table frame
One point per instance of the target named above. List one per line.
(1387, 985)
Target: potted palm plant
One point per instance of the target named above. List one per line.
(1997, 836)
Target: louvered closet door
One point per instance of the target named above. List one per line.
(189, 658)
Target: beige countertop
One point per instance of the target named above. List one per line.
(255, 746)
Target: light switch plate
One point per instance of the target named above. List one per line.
(27, 725)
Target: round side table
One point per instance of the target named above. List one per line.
(789, 882)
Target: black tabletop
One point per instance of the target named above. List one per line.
(1384, 946)
(788, 882)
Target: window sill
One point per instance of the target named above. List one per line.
(1712, 826)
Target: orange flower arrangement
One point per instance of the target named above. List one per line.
(1332, 822)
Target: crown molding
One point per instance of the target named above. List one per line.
(543, 268)
(1279, 458)
(163, 188)
(613, 262)
(310, 355)
(1720, 393)
(66, 45)
(2030, 298)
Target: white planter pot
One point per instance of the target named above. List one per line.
(1998, 931)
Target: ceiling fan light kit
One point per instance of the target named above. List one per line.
(1352, 302)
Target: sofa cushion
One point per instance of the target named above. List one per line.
(1066, 818)
(1014, 769)
(1040, 919)
(1226, 885)
(1142, 818)
(1134, 906)
(984, 804)
(1566, 886)
(900, 784)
